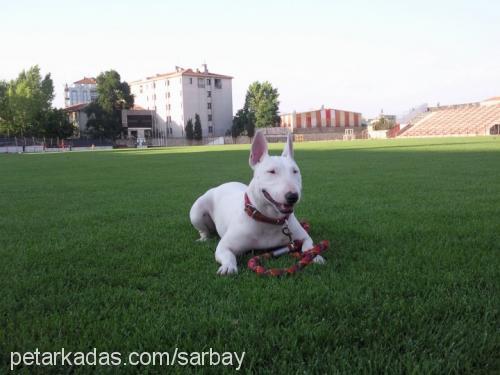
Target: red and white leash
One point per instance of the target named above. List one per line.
(293, 248)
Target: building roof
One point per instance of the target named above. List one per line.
(86, 81)
(183, 72)
(76, 107)
(319, 109)
(197, 73)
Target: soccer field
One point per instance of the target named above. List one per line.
(97, 251)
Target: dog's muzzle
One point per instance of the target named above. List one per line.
(284, 208)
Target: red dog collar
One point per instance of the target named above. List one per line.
(259, 216)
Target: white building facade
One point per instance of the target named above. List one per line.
(80, 92)
(178, 96)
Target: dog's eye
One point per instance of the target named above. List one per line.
(295, 171)
(272, 171)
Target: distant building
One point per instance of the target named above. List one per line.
(137, 122)
(178, 96)
(78, 117)
(321, 119)
(80, 92)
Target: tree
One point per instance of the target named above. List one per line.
(189, 130)
(198, 133)
(243, 123)
(56, 124)
(239, 121)
(262, 103)
(104, 113)
(112, 93)
(3, 108)
(24, 101)
(250, 125)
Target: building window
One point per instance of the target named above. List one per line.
(210, 129)
(169, 119)
(209, 81)
(168, 94)
(209, 94)
(209, 105)
(169, 107)
(218, 83)
(154, 85)
(190, 81)
(154, 96)
(201, 82)
(168, 82)
(209, 117)
(170, 131)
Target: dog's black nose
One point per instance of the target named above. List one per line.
(291, 198)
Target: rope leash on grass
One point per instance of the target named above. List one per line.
(293, 248)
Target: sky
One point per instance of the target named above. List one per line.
(363, 56)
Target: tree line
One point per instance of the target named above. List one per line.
(26, 107)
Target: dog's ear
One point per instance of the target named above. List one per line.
(288, 150)
(259, 149)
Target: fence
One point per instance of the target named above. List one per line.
(31, 144)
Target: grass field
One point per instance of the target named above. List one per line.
(96, 250)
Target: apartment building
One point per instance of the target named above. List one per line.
(178, 96)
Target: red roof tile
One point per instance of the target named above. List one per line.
(76, 107)
(86, 81)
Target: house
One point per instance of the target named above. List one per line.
(80, 92)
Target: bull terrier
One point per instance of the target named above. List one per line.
(254, 217)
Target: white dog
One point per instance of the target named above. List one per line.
(253, 216)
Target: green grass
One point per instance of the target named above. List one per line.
(96, 250)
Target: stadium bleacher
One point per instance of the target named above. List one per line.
(464, 119)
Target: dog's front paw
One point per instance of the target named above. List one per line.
(318, 259)
(227, 269)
